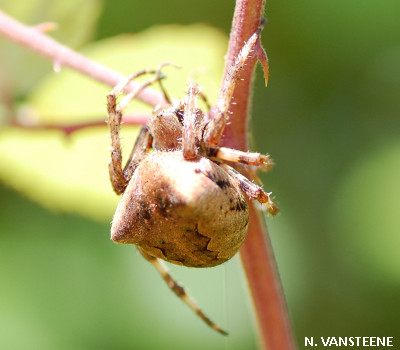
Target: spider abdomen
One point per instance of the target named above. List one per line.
(189, 213)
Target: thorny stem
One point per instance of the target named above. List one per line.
(256, 253)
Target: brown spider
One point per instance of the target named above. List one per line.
(183, 202)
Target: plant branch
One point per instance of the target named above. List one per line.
(132, 119)
(34, 39)
(256, 252)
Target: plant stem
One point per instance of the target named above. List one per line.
(133, 119)
(256, 253)
(35, 40)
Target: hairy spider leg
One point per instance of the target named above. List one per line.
(252, 190)
(119, 177)
(260, 161)
(216, 125)
(205, 99)
(132, 95)
(180, 291)
(140, 149)
(160, 84)
(190, 123)
(120, 87)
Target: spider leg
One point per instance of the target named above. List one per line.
(157, 78)
(120, 178)
(132, 95)
(251, 190)
(205, 99)
(117, 178)
(190, 123)
(140, 149)
(179, 291)
(260, 161)
(216, 125)
(158, 73)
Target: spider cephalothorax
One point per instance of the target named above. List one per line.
(184, 202)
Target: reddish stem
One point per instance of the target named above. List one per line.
(256, 253)
(34, 39)
(247, 17)
(133, 119)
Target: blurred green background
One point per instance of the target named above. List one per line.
(329, 118)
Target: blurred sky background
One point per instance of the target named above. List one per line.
(329, 118)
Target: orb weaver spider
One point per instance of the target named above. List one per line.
(184, 202)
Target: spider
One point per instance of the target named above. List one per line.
(183, 202)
